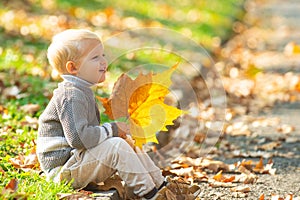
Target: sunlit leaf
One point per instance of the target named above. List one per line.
(142, 102)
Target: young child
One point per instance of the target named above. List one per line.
(71, 142)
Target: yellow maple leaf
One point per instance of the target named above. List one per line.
(141, 101)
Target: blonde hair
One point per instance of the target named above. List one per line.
(65, 47)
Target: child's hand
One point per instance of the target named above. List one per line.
(123, 129)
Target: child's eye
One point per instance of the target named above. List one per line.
(95, 57)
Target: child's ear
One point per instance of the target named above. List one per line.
(71, 68)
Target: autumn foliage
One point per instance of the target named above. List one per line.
(141, 101)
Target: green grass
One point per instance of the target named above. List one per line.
(17, 139)
(25, 34)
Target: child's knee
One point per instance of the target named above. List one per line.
(120, 143)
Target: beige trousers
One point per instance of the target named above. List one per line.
(97, 164)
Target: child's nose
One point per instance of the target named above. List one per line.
(103, 64)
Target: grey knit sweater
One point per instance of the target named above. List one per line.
(70, 120)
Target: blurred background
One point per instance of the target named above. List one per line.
(27, 81)
(27, 26)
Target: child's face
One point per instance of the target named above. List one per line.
(92, 65)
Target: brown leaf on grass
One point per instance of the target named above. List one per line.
(30, 121)
(2, 171)
(2, 109)
(25, 162)
(12, 185)
(11, 92)
(11, 188)
(30, 108)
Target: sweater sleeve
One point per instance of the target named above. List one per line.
(74, 119)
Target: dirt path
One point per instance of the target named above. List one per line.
(269, 41)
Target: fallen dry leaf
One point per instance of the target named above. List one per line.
(241, 188)
(269, 146)
(30, 121)
(216, 184)
(214, 165)
(2, 171)
(12, 188)
(277, 197)
(292, 139)
(247, 177)
(238, 129)
(219, 177)
(239, 87)
(12, 185)
(200, 177)
(245, 163)
(239, 194)
(183, 171)
(170, 195)
(11, 92)
(25, 162)
(30, 108)
(254, 154)
(113, 182)
(260, 168)
(285, 128)
(261, 197)
(178, 188)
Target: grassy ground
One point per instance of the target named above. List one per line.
(26, 27)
